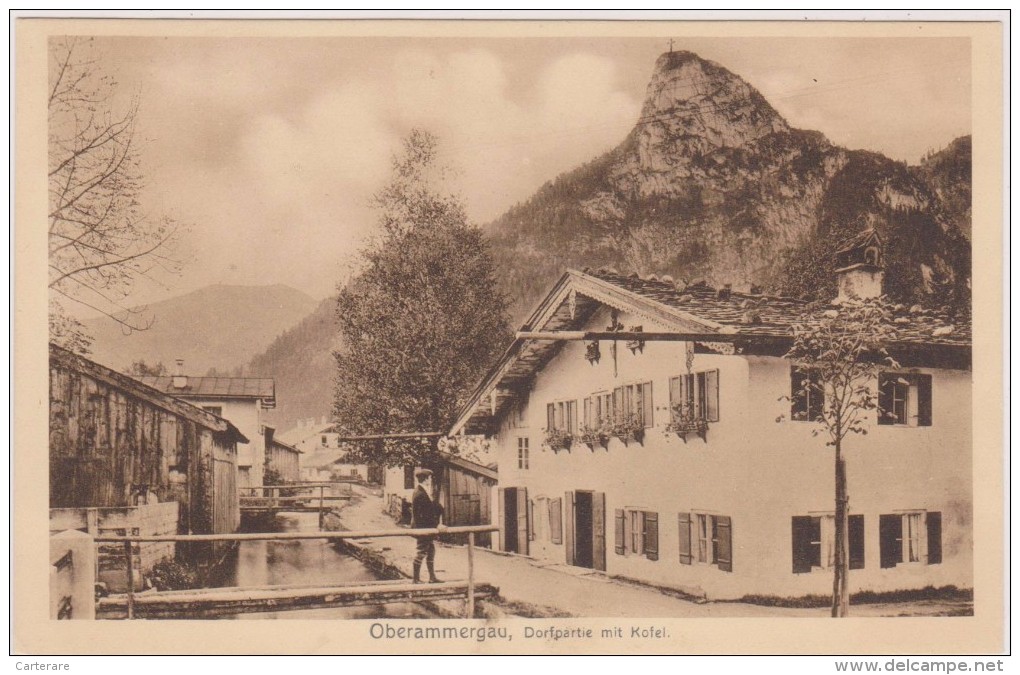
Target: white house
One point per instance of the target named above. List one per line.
(323, 455)
(241, 400)
(728, 501)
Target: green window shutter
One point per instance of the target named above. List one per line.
(933, 522)
(649, 405)
(621, 542)
(723, 542)
(923, 400)
(886, 383)
(651, 535)
(684, 532)
(890, 541)
(802, 532)
(712, 395)
(855, 533)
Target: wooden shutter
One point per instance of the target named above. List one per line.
(522, 520)
(855, 533)
(556, 520)
(923, 383)
(568, 522)
(598, 530)
(933, 522)
(621, 541)
(723, 542)
(890, 542)
(649, 407)
(712, 395)
(886, 383)
(572, 417)
(685, 538)
(501, 496)
(651, 535)
(675, 394)
(531, 520)
(550, 417)
(587, 412)
(619, 401)
(803, 530)
(689, 393)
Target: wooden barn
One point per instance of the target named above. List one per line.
(466, 493)
(115, 443)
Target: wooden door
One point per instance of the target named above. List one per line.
(501, 496)
(569, 520)
(522, 521)
(598, 530)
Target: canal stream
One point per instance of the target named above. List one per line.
(310, 561)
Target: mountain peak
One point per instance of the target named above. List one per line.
(694, 106)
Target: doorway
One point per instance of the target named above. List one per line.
(584, 530)
(510, 521)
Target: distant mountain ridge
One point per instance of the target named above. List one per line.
(218, 326)
(712, 183)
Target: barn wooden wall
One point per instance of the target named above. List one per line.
(104, 442)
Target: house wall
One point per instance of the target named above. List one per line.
(246, 415)
(758, 472)
(104, 443)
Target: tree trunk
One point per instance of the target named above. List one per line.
(840, 585)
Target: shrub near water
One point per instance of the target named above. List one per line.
(170, 575)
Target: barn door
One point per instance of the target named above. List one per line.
(570, 518)
(522, 521)
(598, 530)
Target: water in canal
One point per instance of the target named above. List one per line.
(311, 561)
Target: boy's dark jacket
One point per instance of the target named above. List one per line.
(425, 513)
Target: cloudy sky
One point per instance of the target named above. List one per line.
(269, 149)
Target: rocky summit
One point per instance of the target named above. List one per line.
(712, 183)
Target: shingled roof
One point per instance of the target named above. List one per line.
(263, 388)
(756, 314)
(753, 323)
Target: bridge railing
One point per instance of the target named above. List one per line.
(128, 542)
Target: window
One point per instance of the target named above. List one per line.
(598, 407)
(214, 409)
(522, 452)
(409, 476)
(695, 394)
(325, 441)
(632, 399)
(814, 542)
(904, 399)
(706, 539)
(562, 416)
(807, 397)
(637, 533)
(910, 537)
(556, 520)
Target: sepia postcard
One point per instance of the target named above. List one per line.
(498, 337)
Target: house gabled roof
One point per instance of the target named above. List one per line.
(255, 388)
(287, 446)
(300, 433)
(752, 323)
(470, 466)
(141, 390)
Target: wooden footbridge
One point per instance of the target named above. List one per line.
(217, 602)
(294, 498)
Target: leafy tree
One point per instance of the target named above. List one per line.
(142, 369)
(840, 351)
(100, 239)
(422, 322)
